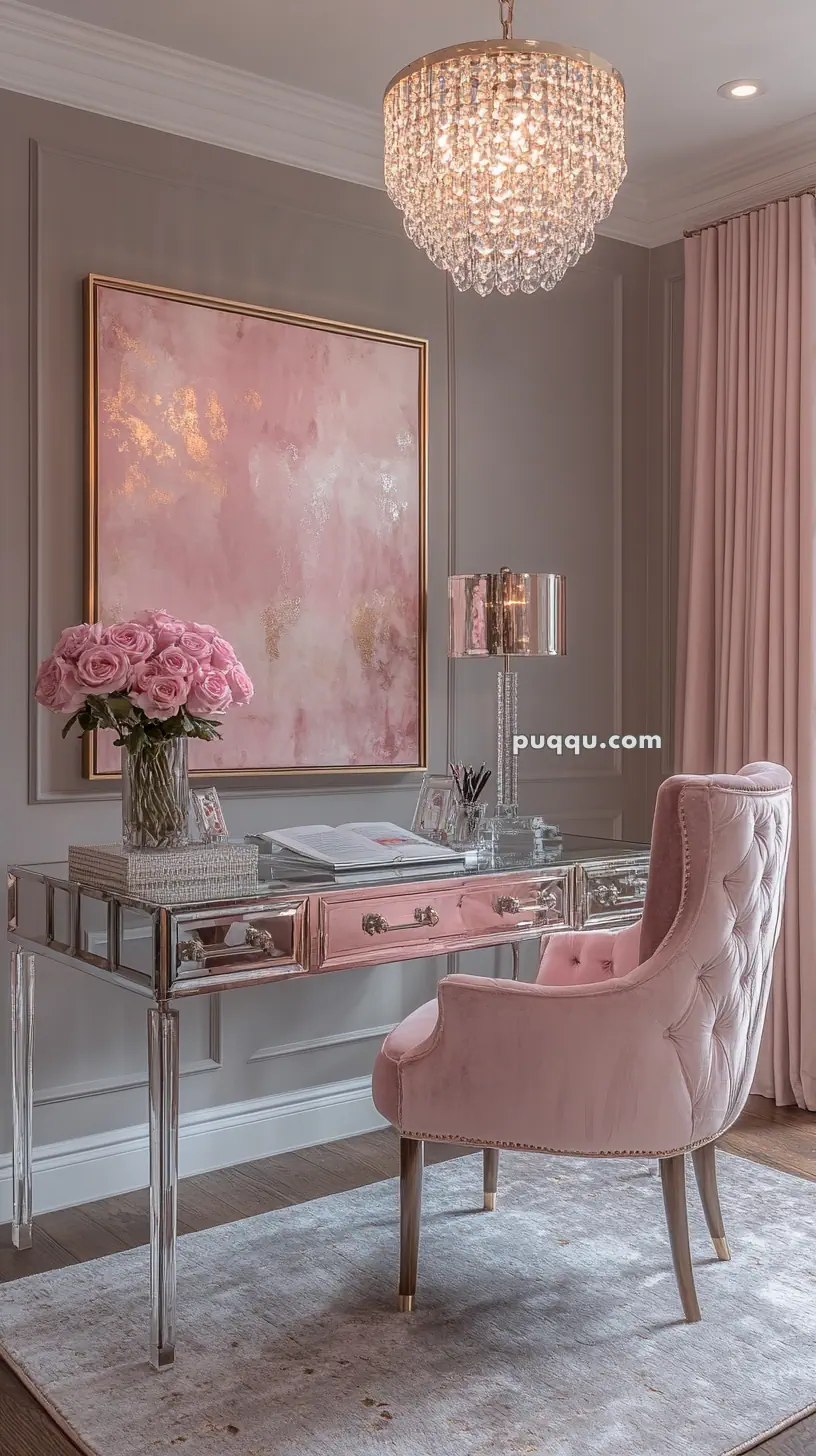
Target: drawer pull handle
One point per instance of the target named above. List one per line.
(546, 901)
(194, 949)
(258, 939)
(632, 887)
(378, 925)
(190, 950)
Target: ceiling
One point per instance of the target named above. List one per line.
(673, 54)
(301, 81)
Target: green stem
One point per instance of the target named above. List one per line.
(157, 807)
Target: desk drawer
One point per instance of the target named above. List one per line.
(612, 892)
(426, 919)
(240, 942)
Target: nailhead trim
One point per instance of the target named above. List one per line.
(433, 1137)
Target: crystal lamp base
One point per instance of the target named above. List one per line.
(508, 837)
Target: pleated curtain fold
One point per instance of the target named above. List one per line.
(746, 632)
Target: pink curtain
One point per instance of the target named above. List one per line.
(746, 629)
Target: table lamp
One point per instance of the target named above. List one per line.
(509, 614)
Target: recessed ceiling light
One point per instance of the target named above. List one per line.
(741, 90)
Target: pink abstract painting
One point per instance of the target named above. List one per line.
(267, 477)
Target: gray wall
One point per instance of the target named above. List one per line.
(539, 459)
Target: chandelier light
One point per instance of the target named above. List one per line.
(503, 156)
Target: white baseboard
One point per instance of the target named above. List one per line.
(105, 1164)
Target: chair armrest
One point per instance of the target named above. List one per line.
(580, 1069)
(585, 957)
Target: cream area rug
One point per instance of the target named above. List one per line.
(551, 1326)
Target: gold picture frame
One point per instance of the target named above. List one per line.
(95, 486)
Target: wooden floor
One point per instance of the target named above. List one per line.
(781, 1137)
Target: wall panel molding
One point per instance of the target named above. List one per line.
(316, 1043)
(38, 725)
(613, 766)
(102, 1086)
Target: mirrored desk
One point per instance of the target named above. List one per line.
(304, 925)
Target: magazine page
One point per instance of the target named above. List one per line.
(358, 846)
(340, 848)
(402, 844)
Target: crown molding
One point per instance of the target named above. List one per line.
(98, 70)
(773, 165)
(64, 60)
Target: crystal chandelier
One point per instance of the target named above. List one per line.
(504, 156)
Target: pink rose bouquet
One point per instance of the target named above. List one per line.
(151, 678)
(155, 681)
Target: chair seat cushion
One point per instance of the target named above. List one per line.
(402, 1042)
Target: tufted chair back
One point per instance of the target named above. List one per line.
(703, 951)
(716, 885)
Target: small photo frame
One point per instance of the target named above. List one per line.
(209, 816)
(437, 808)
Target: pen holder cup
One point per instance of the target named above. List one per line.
(468, 821)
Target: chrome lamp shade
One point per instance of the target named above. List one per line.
(509, 614)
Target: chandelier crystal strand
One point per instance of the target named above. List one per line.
(504, 156)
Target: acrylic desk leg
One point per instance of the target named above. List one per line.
(22, 1094)
(163, 1078)
(515, 949)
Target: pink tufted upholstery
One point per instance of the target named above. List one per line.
(640, 1042)
(590, 956)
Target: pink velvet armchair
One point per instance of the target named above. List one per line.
(636, 1043)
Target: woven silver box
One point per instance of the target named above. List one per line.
(154, 873)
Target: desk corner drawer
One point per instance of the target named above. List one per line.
(613, 893)
(240, 942)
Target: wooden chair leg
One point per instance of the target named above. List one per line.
(491, 1178)
(411, 1159)
(673, 1176)
(705, 1170)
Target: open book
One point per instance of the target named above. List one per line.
(359, 846)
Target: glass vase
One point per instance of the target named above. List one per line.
(155, 795)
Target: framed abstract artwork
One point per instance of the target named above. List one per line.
(265, 472)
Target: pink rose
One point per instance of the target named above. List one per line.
(240, 684)
(133, 639)
(165, 629)
(196, 646)
(56, 687)
(175, 661)
(223, 656)
(168, 634)
(159, 694)
(75, 639)
(210, 693)
(151, 668)
(153, 618)
(104, 669)
(203, 629)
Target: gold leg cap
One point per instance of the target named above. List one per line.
(723, 1251)
(406, 1303)
(489, 1202)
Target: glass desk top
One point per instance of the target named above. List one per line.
(308, 879)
